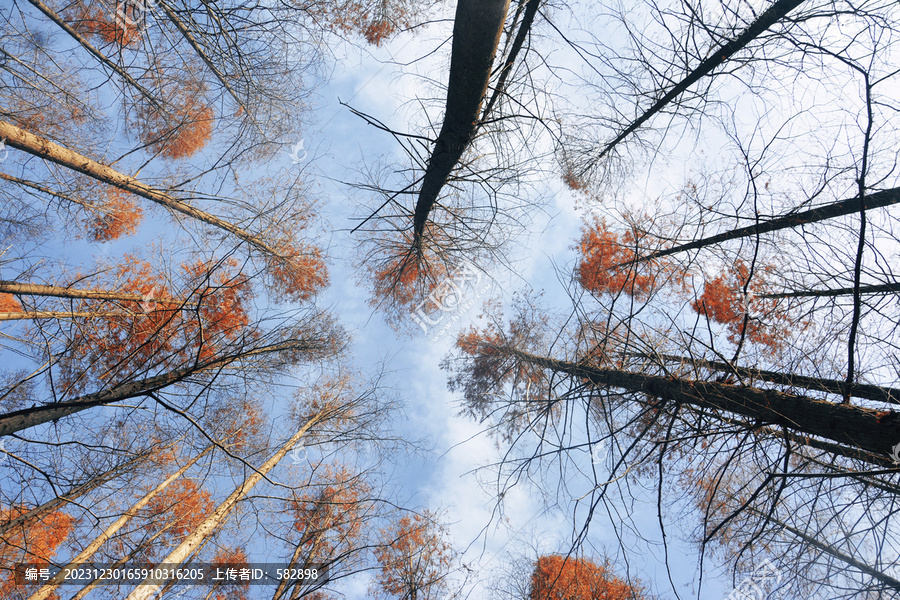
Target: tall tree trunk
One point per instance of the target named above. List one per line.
(531, 9)
(31, 417)
(149, 586)
(146, 543)
(43, 148)
(775, 13)
(788, 221)
(476, 34)
(57, 291)
(832, 386)
(853, 426)
(884, 288)
(38, 315)
(48, 588)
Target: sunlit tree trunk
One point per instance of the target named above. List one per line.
(148, 588)
(35, 289)
(43, 148)
(47, 589)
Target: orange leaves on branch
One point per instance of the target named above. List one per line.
(375, 20)
(33, 542)
(183, 126)
(489, 364)
(603, 253)
(412, 281)
(9, 304)
(723, 301)
(329, 516)
(414, 559)
(237, 424)
(119, 216)
(180, 508)
(561, 578)
(299, 272)
(222, 295)
(227, 589)
(165, 329)
(119, 27)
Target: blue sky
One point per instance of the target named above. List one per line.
(377, 81)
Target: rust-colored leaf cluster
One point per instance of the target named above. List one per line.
(565, 578)
(329, 515)
(9, 304)
(182, 126)
(180, 508)
(761, 320)
(299, 272)
(205, 313)
(414, 559)
(99, 20)
(407, 278)
(604, 267)
(34, 542)
(375, 21)
(227, 589)
(119, 216)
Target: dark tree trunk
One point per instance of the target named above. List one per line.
(788, 221)
(476, 34)
(853, 426)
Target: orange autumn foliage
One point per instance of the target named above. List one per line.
(602, 251)
(376, 21)
(115, 23)
(724, 302)
(206, 313)
(226, 589)
(561, 578)
(183, 127)
(34, 542)
(491, 368)
(299, 272)
(237, 424)
(9, 304)
(179, 509)
(412, 284)
(119, 216)
(329, 516)
(414, 560)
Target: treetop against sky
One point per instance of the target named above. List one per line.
(487, 298)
